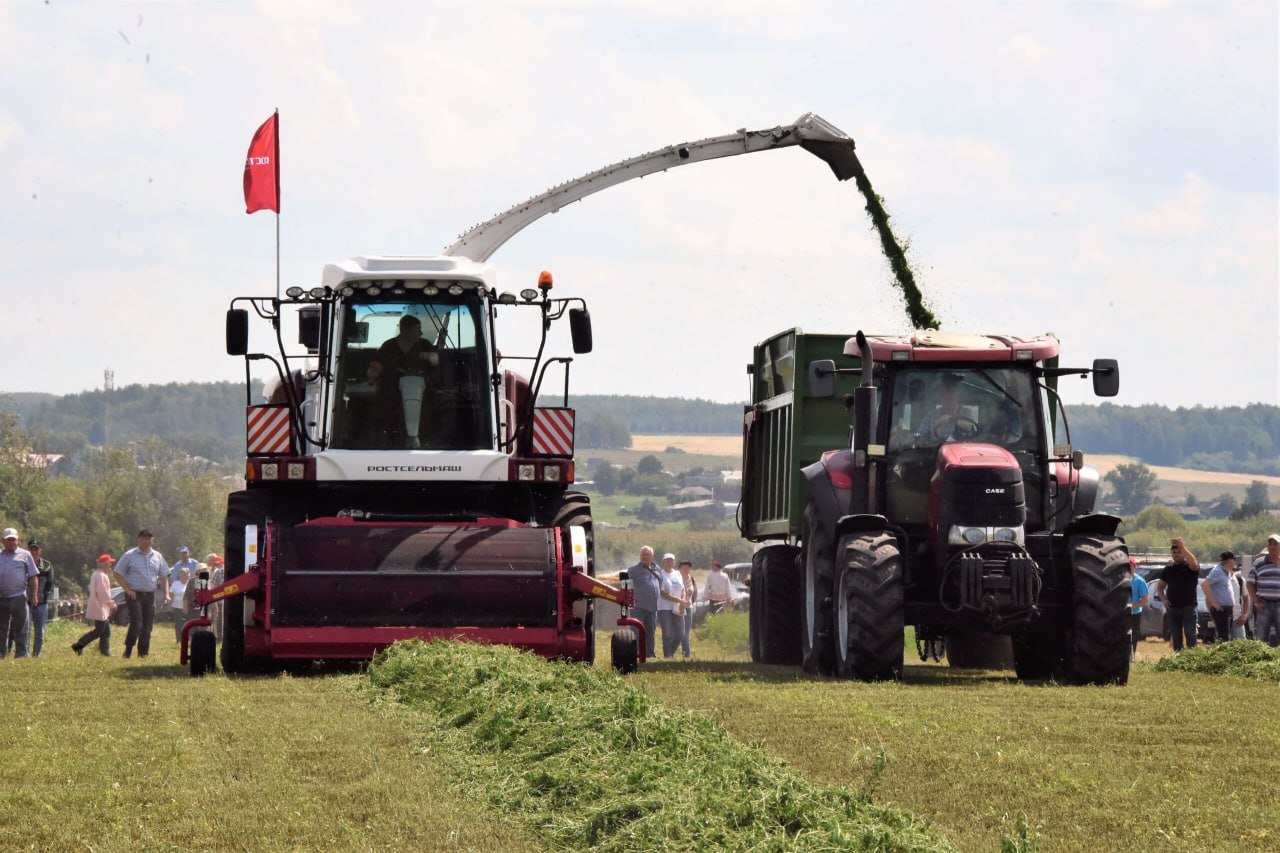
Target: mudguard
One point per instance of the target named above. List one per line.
(862, 523)
(824, 494)
(1093, 524)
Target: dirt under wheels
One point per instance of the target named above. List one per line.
(869, 608)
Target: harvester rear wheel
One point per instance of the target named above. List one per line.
(817, 637)
(203, 654)
(1098, 652)
(869, 608)
(624, 647)
(573, 509)
(777, 616)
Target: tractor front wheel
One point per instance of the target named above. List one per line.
(1098, 652)
(869, 608)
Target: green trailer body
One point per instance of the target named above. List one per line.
(785, 428)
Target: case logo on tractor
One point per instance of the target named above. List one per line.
(995, 491)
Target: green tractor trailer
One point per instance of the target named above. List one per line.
(926, 480)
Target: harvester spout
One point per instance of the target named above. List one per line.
(829, 144)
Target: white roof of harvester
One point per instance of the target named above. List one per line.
(392, 268)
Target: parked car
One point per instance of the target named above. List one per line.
(121, 616)
(703, 608)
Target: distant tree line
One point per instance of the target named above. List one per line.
(207, 420)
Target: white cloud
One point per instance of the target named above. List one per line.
(1179, 216)
(1025, 50)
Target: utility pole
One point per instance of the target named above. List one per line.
(108, 385)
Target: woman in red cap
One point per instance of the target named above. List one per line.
(99, 609)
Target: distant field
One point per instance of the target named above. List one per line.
(1105, 463)
(709, 445)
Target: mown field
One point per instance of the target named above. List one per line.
(112, 754)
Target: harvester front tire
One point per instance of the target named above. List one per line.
(869, 608)
(243, 508)
(624, 647)
(573, 509)
(1098, 652)
(203, 654)
(817, 608)
(774, 582)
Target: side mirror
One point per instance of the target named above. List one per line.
(309, 327)
(1106, 377)
(237, 331)
(1077, 459)
(822, 378)
(580, 329)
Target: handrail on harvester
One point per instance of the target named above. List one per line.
(811, 132)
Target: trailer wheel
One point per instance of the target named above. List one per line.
(203, 657)
(625, 650)
(817, 639)
(774, 583)
(869, 608)
(1098, 651)
(573, 509)
(243, 508)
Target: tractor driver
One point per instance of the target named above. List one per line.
(404, 362)
(946, 423)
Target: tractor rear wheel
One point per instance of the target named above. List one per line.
(573, 509)
(817, 611)
(774, 582)
(1098, 652)
(203, 656)
(624, 647)
(869, 608)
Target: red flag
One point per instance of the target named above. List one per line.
(262, 168)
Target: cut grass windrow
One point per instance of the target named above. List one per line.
(1241, 658)
(581, 759)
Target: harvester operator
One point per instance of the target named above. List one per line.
(404, 363)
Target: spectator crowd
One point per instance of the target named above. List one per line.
(666, 599)
(150, 590)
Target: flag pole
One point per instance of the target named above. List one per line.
(276, 158)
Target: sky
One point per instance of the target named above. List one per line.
(1103, 171)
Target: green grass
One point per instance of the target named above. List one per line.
(1141, 767)
(106, 754)
(726, 632)
(577, 756)
(675, 463)
(1240, 658)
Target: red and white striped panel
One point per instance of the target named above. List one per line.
(268, 430)
(553, 432)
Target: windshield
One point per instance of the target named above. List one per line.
(992, 405)
(412, 374)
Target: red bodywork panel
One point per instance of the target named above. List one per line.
(839, 467)
(492, 565)
(965, 455)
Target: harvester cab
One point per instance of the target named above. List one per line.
(956, 505)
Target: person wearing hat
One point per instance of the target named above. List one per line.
(1217, 595)
(648, 583)
(142, 571)
(18, 591)
(184, 561)
(670, 601)
(99, 609)
(1264, 588)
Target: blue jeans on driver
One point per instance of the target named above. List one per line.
(1267, 626)
(650, 620)
(1184, 625)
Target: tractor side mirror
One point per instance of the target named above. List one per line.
(1077, 459)
(1106, 377)
(822, 378)
(580, 329)
(237, 331)
(309, 327)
